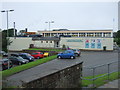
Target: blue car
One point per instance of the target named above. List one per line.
(66, 54)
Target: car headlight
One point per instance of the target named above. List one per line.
(23, 61)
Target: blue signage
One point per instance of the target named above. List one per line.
(86, 45)
(92, 45)
(99, 45)
(73, 40)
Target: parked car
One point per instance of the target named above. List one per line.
(18, 60)
(27, 56)
(3, 53)
(66, 54)
(46, 54)
(4, 64)
(37, 55)
(77, 52)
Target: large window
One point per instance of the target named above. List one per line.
(74, 34)
(90, 34)
(107, 34)
(98, 34)
(81, 34)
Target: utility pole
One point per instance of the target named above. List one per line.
(14, 30)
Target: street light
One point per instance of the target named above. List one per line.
(7, 33)
(49, 24)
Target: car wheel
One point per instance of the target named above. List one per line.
(72, 57)
(59, 57)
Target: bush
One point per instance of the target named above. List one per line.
(63, 47)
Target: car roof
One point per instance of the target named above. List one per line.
(37, 52)
(69, 50)
(5, 59)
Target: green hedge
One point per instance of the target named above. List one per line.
(20, 68)
(57, 50)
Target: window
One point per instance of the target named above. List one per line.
(82, 34)
(46, 41)
(98, 34)
(107, 34)
(41, 41)
(90, 34)
(50, 41)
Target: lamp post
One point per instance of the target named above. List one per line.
(7, 33)
(49, 24)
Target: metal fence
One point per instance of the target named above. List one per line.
(105, 69)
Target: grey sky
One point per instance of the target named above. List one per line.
(68, 15)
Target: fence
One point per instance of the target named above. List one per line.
(105, 69)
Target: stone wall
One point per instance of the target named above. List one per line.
(66, 78)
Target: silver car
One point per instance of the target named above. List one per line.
(77, 52)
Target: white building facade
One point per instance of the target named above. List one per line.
(76, 39)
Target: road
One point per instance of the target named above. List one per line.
(92, 59)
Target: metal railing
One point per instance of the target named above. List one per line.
(105, 74)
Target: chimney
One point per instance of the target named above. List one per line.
(26, 30)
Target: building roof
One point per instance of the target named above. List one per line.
(76, 31)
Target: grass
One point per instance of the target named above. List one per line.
(46, 49)
(100, 81)
(20, 68)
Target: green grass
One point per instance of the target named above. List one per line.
(46, 49)
(100, 81)
(20, 68)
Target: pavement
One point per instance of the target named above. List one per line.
(111, 84)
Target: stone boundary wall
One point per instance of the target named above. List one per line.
(66, 78)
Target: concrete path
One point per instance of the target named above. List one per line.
(112, 84)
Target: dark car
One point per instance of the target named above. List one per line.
(18, 60)
(27, 56)
(66, 54)
(4, 64)
(77, 52)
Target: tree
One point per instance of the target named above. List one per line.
(21, 32)
(118, 34)
(117, 37)
(6, 41)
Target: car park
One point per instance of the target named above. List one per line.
(46, 54)
(77, 52)
(37, 55)
(4, 64)
(66, 54)
(27, 56)
(18, 60)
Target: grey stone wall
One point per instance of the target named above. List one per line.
(66, 78)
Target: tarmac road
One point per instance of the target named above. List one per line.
(92, 59)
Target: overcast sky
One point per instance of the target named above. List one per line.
(66, 15)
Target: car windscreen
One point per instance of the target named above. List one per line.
(67, 52)
(20, 58)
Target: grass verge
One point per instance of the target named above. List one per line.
(57, 50)
(100, 81)
(20, 68)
